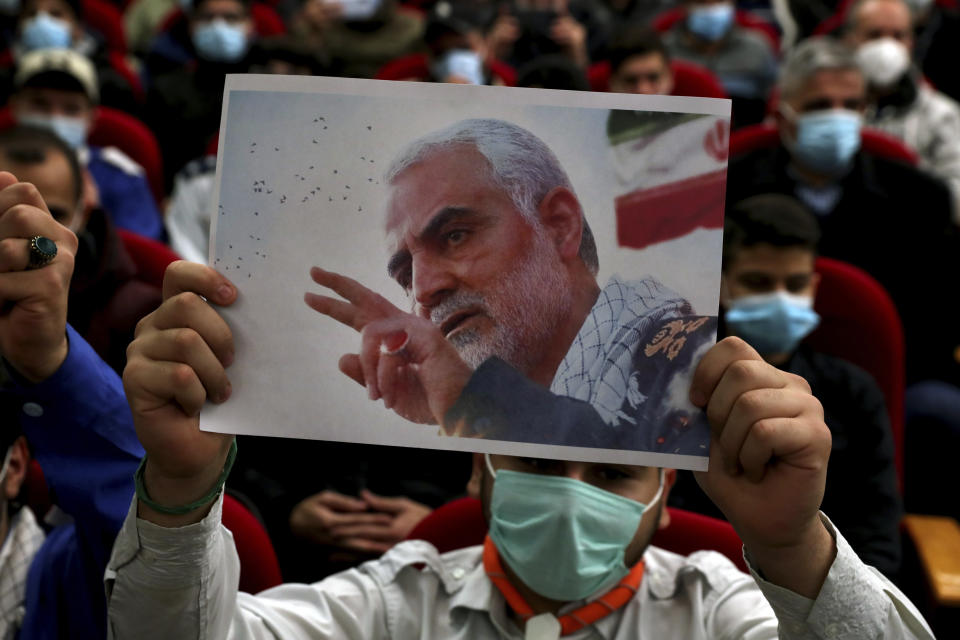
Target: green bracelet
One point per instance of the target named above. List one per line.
(211, 495)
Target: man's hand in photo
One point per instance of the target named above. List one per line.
(403, 360)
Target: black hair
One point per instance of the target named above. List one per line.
(26, 145)
(635, 41)
(553, 72)
(771, 218)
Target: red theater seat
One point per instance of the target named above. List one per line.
(860, 324)
(106, 19)
(151, 257)
(259, 568)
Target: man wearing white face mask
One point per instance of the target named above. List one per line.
(767, 290)
(56, 89)
(900, 102)
(869, 208)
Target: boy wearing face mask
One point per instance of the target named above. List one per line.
(870, 209)
(900, 101)
(56, 89)
(767, 292)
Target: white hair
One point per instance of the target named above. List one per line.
(518, 162)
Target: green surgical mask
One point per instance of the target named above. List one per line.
(564, 538)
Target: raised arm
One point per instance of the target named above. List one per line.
(768, 463)
(73, 413)
(175, 575)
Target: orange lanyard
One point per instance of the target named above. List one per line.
(589, 613)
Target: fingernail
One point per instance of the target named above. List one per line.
(225, 395)
(228, 358)
(224, 292)
(395, 342)
(370, 391)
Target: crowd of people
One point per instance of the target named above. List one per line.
(848, 123)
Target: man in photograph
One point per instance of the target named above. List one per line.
(490, 243)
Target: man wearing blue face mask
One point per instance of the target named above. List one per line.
(883, 216)
(742, 60)
(767, 291)
(220, 35)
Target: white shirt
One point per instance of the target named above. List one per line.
(181, 583)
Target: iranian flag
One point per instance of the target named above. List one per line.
(673, 170)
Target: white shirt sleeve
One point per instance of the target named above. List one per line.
(181, 583)
(855, 601)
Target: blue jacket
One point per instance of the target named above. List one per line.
(81, 432)
(124, 192)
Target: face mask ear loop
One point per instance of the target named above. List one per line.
(493, 474)
(656, 498)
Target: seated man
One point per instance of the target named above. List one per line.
(640, 63)
(186, 94)
(57, 90)
(869, 208)
(174, 569)
(107, 294)
(742, 60)
(767, 288)
(900, 101)
(69, 405)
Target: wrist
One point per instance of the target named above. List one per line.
(36, 371)
(800, 566)
(177, 501)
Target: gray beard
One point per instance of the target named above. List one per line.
(526, 306)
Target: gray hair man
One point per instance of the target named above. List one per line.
(489, 240)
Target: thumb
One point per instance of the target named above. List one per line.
(7, 179)
(380, 503)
